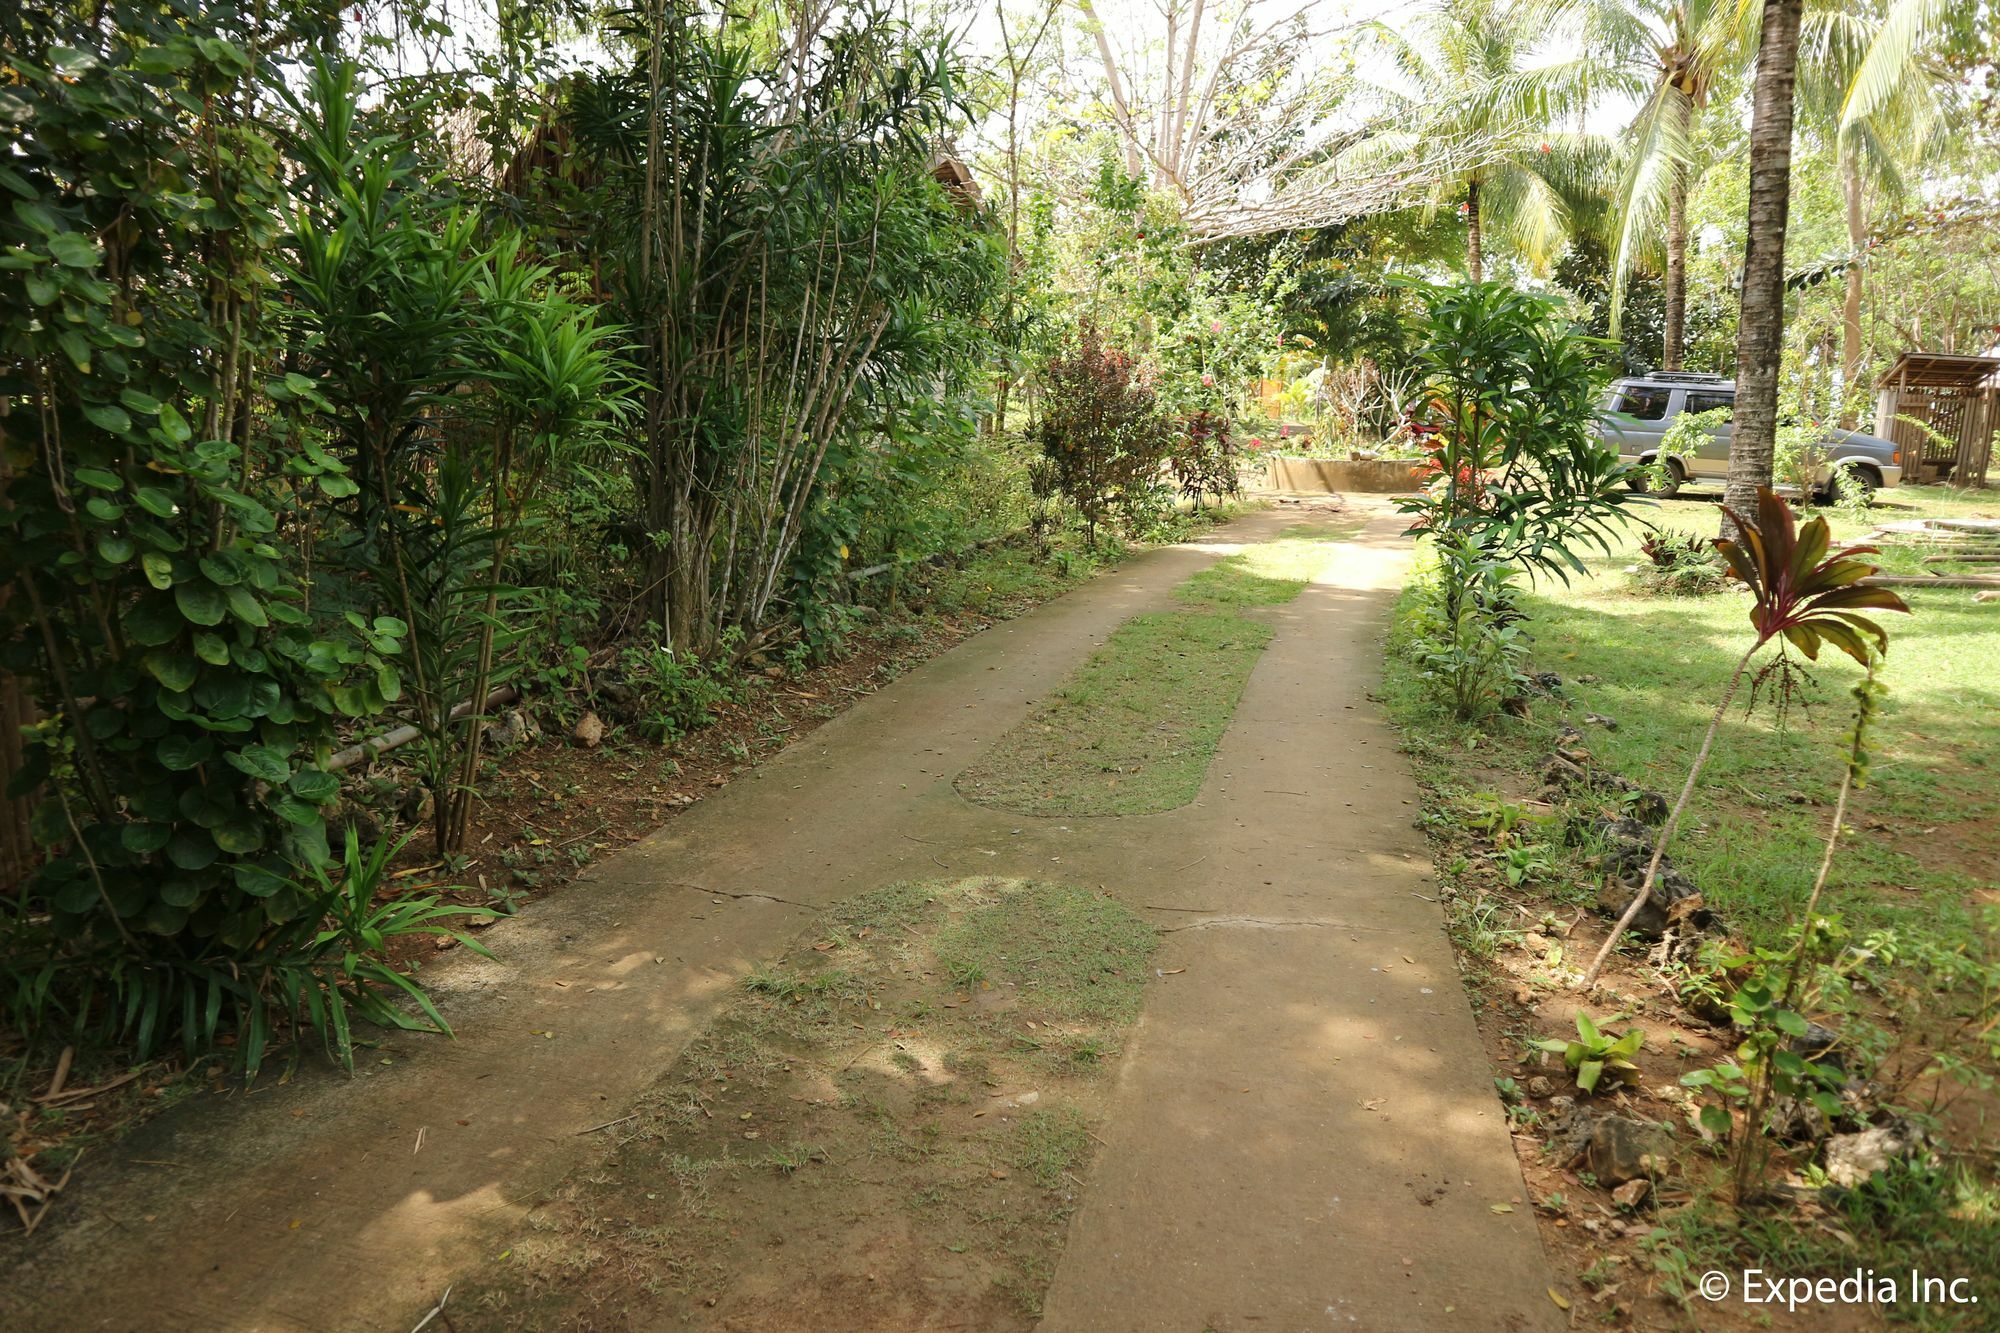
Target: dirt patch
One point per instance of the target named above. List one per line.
(1524, 926)
(889, 1128)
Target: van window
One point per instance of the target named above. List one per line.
(1645, 403)
(1708, 402)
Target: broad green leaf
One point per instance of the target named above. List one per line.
(239, 837)
(174, 670)
(104, 479)
(73, 249)
(262, 761)
(201, 602)
(108, 417)
(145, 839)
(315, 785)
(295, 811)
(192, 849)
(257, 881)
(243, 604)
(155, 501)
(76, 348)
(180, 753)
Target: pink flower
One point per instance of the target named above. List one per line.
(1207, 381)
(1215, 326)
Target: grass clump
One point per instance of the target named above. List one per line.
(1079, 955)
(1133, 731)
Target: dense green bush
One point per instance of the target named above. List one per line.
(190, 693)
(1102, 430)
(1520, 480)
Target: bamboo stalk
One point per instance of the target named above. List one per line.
(409, 731)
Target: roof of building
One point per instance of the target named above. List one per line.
(1941, 370)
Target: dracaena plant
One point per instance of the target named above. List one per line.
(1802, 595)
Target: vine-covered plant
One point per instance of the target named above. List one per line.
(168, 471)
(188, 695)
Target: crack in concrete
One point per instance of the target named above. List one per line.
(762, 897)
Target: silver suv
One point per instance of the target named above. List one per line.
(1636, 413)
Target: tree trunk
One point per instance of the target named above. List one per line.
(1475, 264)
(1760, 335)
(1677, 258)
(1850, 322)
(1120, 107)
(18, 853)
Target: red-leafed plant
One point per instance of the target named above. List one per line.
(1801, 594)
(1102, 430)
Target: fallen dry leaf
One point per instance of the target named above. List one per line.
(1557, 1297)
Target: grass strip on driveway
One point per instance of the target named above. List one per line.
(1134, 730)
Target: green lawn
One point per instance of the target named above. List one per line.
(1926, 823)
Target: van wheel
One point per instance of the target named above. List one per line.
(1852, 483)
(1642, 481)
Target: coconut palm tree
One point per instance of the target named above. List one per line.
(1673, 51)
(1760, 327)
(1864, 78)
(1476, 75)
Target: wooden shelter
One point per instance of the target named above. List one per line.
(1957, 398)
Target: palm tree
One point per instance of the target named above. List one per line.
(1470, 78)
(1864, 78)
(1760, 328)
(1674, 51)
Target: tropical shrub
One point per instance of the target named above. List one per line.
(1468, 640)
(766, 221)
(1519, 480)
(1205, 461)
(1102, 429)
(1677, 564)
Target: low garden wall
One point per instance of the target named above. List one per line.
(1379, 476)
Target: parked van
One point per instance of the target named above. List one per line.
(1638, 410)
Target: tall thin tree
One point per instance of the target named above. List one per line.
(1760, 332)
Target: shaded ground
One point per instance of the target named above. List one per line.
(548, 808)
(1300, 1129)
